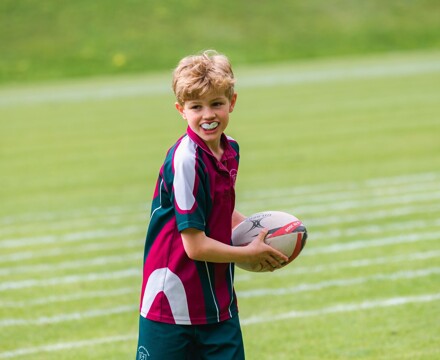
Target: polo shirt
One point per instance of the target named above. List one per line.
(193, 190)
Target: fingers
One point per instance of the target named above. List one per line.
(278, 256)
(271, 264)
(262, 235)
(270, 258)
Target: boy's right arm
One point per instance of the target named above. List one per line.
(200, 247)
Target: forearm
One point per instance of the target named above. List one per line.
(200, 247)
(237, 218)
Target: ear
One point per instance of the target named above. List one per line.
(180, 109)
(232, 102)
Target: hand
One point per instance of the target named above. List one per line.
(264, 257)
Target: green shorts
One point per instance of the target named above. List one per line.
(220, 341)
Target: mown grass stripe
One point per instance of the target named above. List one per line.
(69, 237)
(94, 313)
(368, 243)
(324, 221)
(334, 309)
(71, 297)
(320, 236)
(343, 308)
(418, 180)
(327, 249)
(302, 209)
(240, 278)
(350, 192)
(63, 346)
(372, 229)
(75, 316)
(306, 287)
(98, 261)
(345, 205)
(87, 248)
(324, 268)
(337, 247)
(314, 223)
(71, 279)
(86, 92)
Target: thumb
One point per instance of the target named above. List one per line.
(262, 235)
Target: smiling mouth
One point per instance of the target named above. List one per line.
(210, 126)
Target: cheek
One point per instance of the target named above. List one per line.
(225, 114)
(193, 123)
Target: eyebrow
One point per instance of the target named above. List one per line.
(196, 101)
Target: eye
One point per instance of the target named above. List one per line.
(195, 107)
(218, 103)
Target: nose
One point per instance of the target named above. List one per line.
(208, 114)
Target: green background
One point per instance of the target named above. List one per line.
(338, 123)
(50, 39)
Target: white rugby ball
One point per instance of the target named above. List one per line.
(286, 233)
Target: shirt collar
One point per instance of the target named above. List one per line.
(228, 151)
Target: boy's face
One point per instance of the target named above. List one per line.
(208, 116)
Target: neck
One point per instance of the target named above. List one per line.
(217, 151)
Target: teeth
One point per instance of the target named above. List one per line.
(210, 126)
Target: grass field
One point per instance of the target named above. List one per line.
(351, 146)
(49, 39)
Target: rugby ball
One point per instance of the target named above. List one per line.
(286, 234)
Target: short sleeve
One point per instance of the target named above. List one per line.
(189, 194)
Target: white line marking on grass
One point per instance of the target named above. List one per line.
(79, 224)
(401, 180)
(334, 206)
(399, 227)
(338, 283)
(241, 294)
(344, 191)
(367, 243)
(337, 219)
(315, 222)
(65, 346)
(241, 277)
(425, 353)
(79, 94)
(117, 89)
(324, 221)
(334, 309)
(380, 183)
(343, 308)
(88, 248)
(70, 237)
(338, 247)
(71, 297)
(75, 264)
(316, 269)
(71, 279)
(142, 210)
(303, 209)
(47, 216)
(319, 236)
(251, 200)
(312, 222)
(326, 75)
(45, 320)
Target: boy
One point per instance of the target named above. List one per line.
(188, 304)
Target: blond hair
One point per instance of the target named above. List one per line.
(197, 75)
